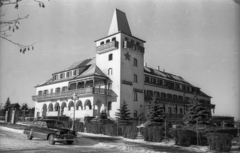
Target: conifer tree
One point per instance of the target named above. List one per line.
(155, 114)
(123, 113)
(196, 112)
(7, 103)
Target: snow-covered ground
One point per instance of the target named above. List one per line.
(122, 145)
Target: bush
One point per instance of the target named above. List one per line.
(233, 131)
(128, 131)
(183, 137)
(219, 141)
(153, 134)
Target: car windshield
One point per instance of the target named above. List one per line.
(53, 124)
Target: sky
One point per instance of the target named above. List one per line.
(195, 39)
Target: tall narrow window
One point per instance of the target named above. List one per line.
(135, 78)
(135, 96)
(110, 57)
(170, 110)
(135, 62)
(110, 71)
(109, 105)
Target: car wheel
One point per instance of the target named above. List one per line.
(29, 136)
(69, 142)
(51, 139)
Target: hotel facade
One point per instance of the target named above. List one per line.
(116, 73)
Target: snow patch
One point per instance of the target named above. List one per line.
(11, 130)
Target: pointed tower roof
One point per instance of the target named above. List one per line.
(119, 23)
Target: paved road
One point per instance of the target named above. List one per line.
(12, 142)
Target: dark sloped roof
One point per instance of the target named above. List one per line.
(13, 105)
(86, 67)
(165, 75)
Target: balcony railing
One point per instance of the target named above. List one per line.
(69, 93)
(129, 45)
(107, 47)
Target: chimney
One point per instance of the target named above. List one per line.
(158, 68)
(145, 64)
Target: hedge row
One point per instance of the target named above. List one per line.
(219, 141)
(153, 134)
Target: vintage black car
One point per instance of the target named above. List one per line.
(51, 130)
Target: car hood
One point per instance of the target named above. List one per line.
(65, 130)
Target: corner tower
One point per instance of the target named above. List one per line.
(120, 56)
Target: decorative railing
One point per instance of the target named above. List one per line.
(107, 47)
(134, 47)
(69, 93)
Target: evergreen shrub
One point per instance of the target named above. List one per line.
(153, 134)
(219, 141)
(183, 137)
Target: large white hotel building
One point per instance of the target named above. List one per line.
(116, 74)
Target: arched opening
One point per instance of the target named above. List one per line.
(70, 105)
(98, 104)
(79, 104)
(50, 107)
(87, 105)
(56, 106)
(44, 110)
(63, 105)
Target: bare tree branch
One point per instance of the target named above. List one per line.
(13, 25)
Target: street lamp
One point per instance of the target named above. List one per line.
(74, 99)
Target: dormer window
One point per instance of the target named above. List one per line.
(102, 43)
(75, 72)
(114, 39)
(126, 39)
(108, 41)
(67, 74)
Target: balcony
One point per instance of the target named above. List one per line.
(68, 94)
(131, 46)
(107, 47)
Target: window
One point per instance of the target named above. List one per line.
(39, 92)
(147, 79)
(137, 43)
(108, 41)
(174, 96)
(163, 95)
(183, 87)
(55, 77)
(126, 39)
(114, 39)
(135, 96)
(157, 94)
(57, 90)
(169, 96)
(110, 71)
(110, 105)
(110, 57)
(149, 92)
(45, 92)
(61, 75)
(135, 62)
(180, 97)
(132, 41)
(160, 82)
(153, 80)
(68, 74)
(170, 110)
(177, 86)
(102, 43)
(135, 78)
(135, 114)
(75, 72)
(181, 112)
